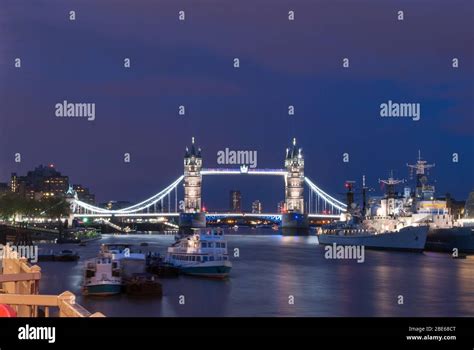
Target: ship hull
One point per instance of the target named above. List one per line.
(102, 289)
(407, 239)
(448, 239)
(212, 269)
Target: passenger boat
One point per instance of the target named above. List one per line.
(102, 276)
(203, 253)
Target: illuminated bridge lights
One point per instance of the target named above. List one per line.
(136, 209)
(211, 216)
(277, 172)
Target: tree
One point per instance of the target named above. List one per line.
(55, 208)
(12, 204)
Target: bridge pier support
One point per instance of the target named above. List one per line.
(294, 221)
(192, 220)
(70, 220)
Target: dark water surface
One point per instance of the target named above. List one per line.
(271, 268)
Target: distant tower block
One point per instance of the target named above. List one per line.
(294, 189)
(192, 216)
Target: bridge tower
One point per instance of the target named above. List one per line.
(71, 197)
(192, 215)
(294, 216)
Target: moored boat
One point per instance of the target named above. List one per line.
(388, 231)
(448, 232)
(460, 239)
(201, 254)
(163, 269)
(132, 261)
(410, 238)
(102, 277)
(143, 285)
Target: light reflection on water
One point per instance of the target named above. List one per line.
(272, 267)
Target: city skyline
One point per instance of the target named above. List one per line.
(31, 188)
(336, 108)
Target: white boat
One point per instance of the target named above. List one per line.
(202, 254)
(102, 276)
(131, 260)
(121, 251)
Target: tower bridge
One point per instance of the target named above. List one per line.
(295, 213)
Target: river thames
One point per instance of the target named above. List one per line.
(278, 275)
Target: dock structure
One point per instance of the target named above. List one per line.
(19, 288)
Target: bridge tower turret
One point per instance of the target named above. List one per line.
(294, 181)
(192, 215)
(71, 197)
(295, 216)
(192, 179)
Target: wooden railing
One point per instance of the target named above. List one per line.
(39, 305)
(19, 283)
(19, 277)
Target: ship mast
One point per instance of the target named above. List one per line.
(349, 185)
(420, 168)
(364, 195)
(391, 182)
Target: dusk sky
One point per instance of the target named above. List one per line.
(282, 63)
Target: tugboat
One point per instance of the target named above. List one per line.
(102, 277)
(379, 232)
(203, 253)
